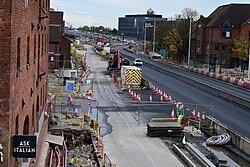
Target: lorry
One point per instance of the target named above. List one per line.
(131, 75)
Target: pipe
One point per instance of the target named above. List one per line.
(51, 158)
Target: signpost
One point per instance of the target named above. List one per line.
(70, 85)
(24, 146)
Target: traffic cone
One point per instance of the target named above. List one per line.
(156, 90)
(138, 98)
(83, 96)
(172, 114)
(150, 98)
(135, 96)
(161, 99)
(203, 118)
(70, 99)
(153, 88)
(193, 114)
(164, 96)
(170, 98)
(132, 93)
(129, 91)
(159, 92)
(198, 118)
(128, 86)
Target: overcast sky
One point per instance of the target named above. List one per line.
(100, 12)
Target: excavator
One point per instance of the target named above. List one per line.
(114, 61)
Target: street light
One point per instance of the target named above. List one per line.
(248, 76)
(154, 36)
(189, 40)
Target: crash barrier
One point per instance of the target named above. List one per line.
(241, 142)
(228, 79)
(219, 139)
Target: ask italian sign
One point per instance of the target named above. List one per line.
(24, 146)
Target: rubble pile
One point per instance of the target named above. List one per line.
(81, 152)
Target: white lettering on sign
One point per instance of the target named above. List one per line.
(24, 143)
(24, 150)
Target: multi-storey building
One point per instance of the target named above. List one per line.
(134, 25)
(24, 29)
(214, 35)
(59, 45)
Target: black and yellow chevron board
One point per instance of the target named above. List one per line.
(133, 76)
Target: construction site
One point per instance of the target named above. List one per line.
(74, 131)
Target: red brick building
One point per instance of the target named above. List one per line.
(59, 45)
(218, 30)
(24, 30)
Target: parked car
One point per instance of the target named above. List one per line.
(125, 61)
(137, 62)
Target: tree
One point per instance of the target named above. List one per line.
(189, 13)
(114, 31)
(222, 48)
(174, 43)
(85, 28)
(240, 49)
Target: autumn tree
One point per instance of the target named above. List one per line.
(174, 43)
(240, 49)
(222, 48)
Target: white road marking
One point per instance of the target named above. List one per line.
(114, 104)
(187, 109)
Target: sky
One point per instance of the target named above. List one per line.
(106, 13)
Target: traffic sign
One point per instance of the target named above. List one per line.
(179, 105)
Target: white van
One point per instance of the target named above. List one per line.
(155, 56)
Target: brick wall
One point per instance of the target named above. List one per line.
(18, 21)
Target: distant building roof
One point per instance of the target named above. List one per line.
(234, 14)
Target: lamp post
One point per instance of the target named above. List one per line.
(189, 40)
(154, 36)
(145, 33)
(248, 76)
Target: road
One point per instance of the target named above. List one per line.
(125, 141)
(230, 114)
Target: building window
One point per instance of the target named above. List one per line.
(34, 49)
(18, 57)
(226, 30)
(26, 4)
(28, 53)
(51, 58)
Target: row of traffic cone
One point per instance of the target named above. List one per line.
(163, 95)
(134, 95)
(163, 98)
(197, 117)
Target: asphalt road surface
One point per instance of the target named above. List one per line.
(125, 140)
(230, 114)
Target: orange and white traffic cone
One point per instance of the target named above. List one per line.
(129, 91)
(203, 118)
(172, 114)
(150, 98)
(170, 98)
(138, 98)
(156, 90)
(153, 88)
(70, 100)
(135, 95)
(198, 117)
(164, 96)
(193, 115)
